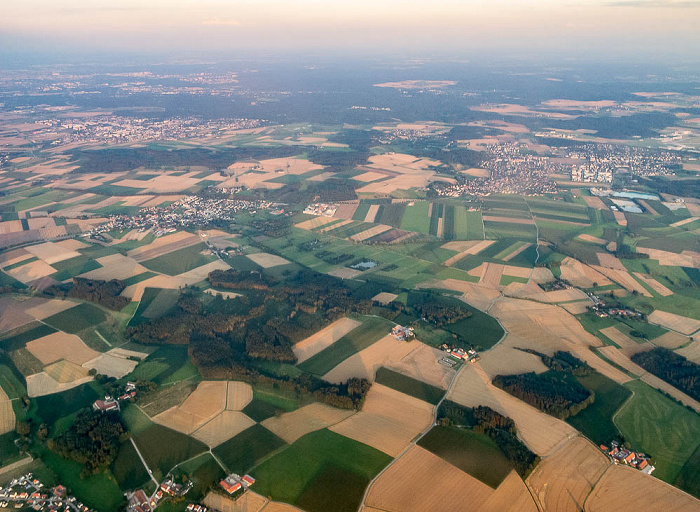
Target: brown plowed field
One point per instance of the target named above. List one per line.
(290, 426)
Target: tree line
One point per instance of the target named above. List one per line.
(104, 293)
(673, 368)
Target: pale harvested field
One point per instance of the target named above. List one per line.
(41, 222)
(64, 371)
(7, 414)
(14, 256)
(389, 420)
(316, 222)
(253, 503)
(10, 226)
(43, 308)
(225, 295)
(593, 239)
(31, 271)
(542, 275)
(654, 284)
(41, 384)
(290, 426)
(609, 261)
(641, 492)
(477, 172)
(369, 233)
(480, 297)
(548, 328)
(72, 244)
(365, 363)
(509, 220)
(276, 506)
(681, 324)
(201, 406)
(223, 427)
(465, 248)
(581, 275)
(491, 275)
(619, 338)
(524, 272)
(533, 292)
(135, 291)
(684, 259)
(266, 260)
(340, 224)
(511, 496)
(164, 245)
(691, 352)
(422, 482)
(624, 279)
(51, 252)
(324, 338)
(12, 314)
(620, 218)
(61, 345)
(505, 359)
(238, 395)
(384, 297)
(369, 177)
(563, 481)
(684, 222)
(577, 308)
(517, 251)
(111, 365)
(115, 266)
(539, 431)
(422, 364)
(671, 340)
(372, 213)
(160, 184)
(344, 272)
(595, 202)
(346, 210)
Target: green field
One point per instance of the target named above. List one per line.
(128, 469)
(181, 260)
(77, 318)
(53, 407)
(321, 471)
(415, 217)
(689, 477)
(204, 472)
(164, 365)
(657, 425)
(9, 452)
(476, 454)
(164, 448)
(409, 385)
(67, 269)
(243, 451)
(266, 403)
(595, 421)
(371, 330)
(11, 382)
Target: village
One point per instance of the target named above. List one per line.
(26, 491)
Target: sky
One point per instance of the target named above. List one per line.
(659, 29)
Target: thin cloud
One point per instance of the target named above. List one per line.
(682, 4)
(221, 22)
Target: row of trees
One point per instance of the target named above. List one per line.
(501, 429)
(104, 293)
(673, 368)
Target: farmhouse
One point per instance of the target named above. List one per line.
(402, 333)
(230, 487)
(620, 455)
(106, 405)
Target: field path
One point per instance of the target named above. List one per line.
(143, 461)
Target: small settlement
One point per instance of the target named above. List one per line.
(621, 455)
(112, 404)
(234, 483)
(26, 491)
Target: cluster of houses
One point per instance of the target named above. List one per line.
(112, 404)
(470, 355)
(26, 491)
(621, 455)
(327, 210)
(234, 483)
(402, 333)
(191, 507)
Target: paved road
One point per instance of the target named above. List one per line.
(143, 461)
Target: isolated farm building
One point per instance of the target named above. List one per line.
(230, 487)
(248, 480)
(106, 405)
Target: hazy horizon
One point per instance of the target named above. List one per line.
(636, 30)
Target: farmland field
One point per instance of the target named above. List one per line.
(180, 260)
(476, 454)
(659, 426)
(77, 318)
(244, 451)
(299, 472)
(371, 330)
(409, 385)
(128, 469)
(163, 448)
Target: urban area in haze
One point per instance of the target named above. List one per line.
(350, 256)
